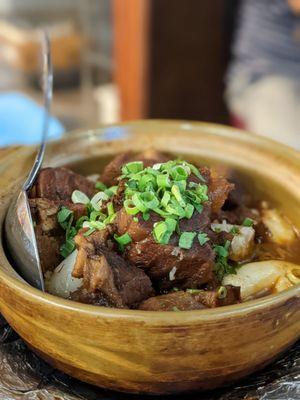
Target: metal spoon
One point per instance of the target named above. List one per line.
(19, 229)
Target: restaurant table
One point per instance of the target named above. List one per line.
(24, 376)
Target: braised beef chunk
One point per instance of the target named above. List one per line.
(192, 300)
(223, 296)
(238, 215)
(49, 249)
(59, 184)
(176, 301)
(82, 295)
(193, 267)
(219, 189)
(112, 171)
(49, 234)
(169, 265)
(105, 271)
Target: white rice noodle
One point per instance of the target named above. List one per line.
(271, 276)
(281, 230)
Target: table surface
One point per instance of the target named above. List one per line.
(24, 376)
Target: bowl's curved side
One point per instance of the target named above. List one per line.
(145, 356)
(159, 352)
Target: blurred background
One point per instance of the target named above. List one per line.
(234, 62)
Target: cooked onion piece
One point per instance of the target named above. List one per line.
(61, 282)
(264, 276)
(281, 229)
(242, 244)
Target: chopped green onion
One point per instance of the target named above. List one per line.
(201, 191)
(123, 240)
(175, 209)
(146, 181)
(146, 216)
(163, 181)
(97, 200)
(234, 230)
(130, 208)
(67, 248)
(165, 199)
(157, 166)
(89, 232)
(80, 222)
(100, 186)
(193, 185)
(111, 191)
(199, 208)
(248, 222)
(181, 185)
(176, 192)
(137, 201)
(159, 230)
(203, 238)
(110, 219)
(149, 200)
(189, 210)
(110, 209)
(132, 167)
(162, 213)
(94, 215)
(221, 251)
(94, 224)
(186, 240)
(63, 214)
(179, 173)
(196, 172)
(79, 197)
(171, 224)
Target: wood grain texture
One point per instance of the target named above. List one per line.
(156, 352)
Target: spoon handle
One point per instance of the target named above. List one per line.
(47, 83)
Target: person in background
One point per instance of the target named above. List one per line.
(263, 80)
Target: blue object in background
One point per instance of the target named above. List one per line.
(21, 121)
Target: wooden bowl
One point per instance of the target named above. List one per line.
(158, 352)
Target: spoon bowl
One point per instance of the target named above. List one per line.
(19, 228)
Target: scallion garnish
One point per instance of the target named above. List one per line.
(248, 222)
(123, 240)
(100, 186)
(133, 167)
(203, 238)
(163, 181)
(163, 189)
(79, 197)
(186, 240)
(130, 208)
